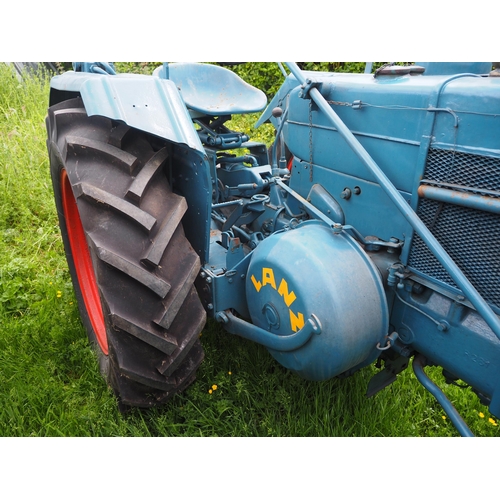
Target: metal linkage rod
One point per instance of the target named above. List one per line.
(420, 228)
(450, 410)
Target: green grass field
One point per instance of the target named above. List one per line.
(49, 380)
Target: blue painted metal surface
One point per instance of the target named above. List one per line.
(143, 102)
(399, 201)
(312, 270)
(461, 198)
(213, 90)
(102, 68)
(268, 339)
(421, 143)
(439, 68)
(450, 334)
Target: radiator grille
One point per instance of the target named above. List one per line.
(471, 237)
(465, 169)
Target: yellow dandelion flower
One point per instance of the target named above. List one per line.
(491, 421)
(210, 391)
(481, 414)
(59, 294)
(443, 417)
(214, 387)
(229, 373)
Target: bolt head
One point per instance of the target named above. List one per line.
(277, 112)
(443, 326)
(346, 194)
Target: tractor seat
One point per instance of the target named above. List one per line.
(213, 90)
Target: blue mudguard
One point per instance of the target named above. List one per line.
(143, 102)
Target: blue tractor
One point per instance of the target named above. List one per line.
(368, 233)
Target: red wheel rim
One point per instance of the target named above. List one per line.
(83, 263)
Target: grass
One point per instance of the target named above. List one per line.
(49, 378)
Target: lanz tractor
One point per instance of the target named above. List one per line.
(368, 233)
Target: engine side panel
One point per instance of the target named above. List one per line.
(426, 133)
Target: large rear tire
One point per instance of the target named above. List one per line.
(132, 267)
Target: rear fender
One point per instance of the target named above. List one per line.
(143, 102)
(154, 106)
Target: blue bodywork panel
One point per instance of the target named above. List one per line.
(455, 68)
(396, 119)
(436, 139)
(334, 273)
(143, 102)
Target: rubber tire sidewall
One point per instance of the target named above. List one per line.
(57, 167)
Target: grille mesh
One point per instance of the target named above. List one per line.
(471, 237)
(453, 167)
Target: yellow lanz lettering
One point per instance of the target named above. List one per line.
(289, 297)
(283, 291)
(268, 277)
(296, 322)
(256, 284)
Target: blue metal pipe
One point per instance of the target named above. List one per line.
(460, 198)
(252, 332)
(420, 228)
(275, 144)
(450, 410)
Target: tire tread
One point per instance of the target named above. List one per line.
(144, 265)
